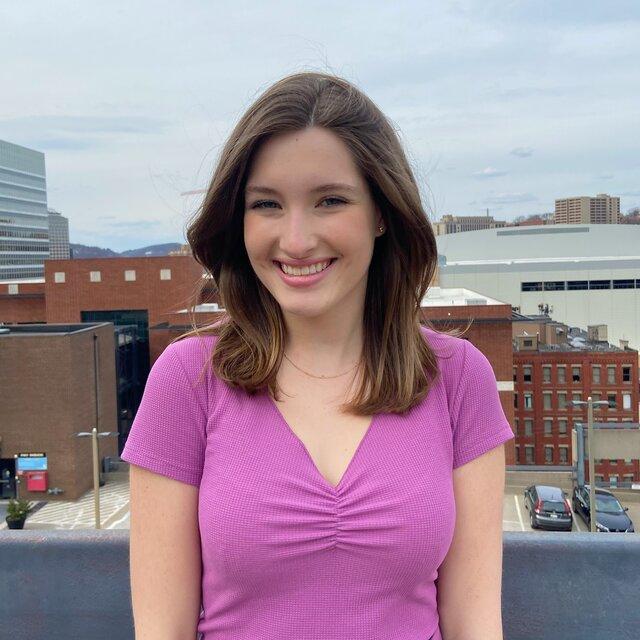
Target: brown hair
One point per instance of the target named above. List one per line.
(398, 364)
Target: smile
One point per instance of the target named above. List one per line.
(304, 276)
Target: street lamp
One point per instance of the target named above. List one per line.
(592, 470)
(94, 435)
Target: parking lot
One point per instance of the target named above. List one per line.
(516, 517)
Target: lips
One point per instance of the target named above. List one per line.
(306, 264)
(304, 281)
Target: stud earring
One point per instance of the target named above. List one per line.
(381, 229)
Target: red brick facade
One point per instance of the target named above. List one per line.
(541, 390)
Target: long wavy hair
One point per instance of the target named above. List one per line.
(398, 366)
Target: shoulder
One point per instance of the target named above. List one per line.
(457, 357)
(192, 354)
(445, 347)
(194, 347)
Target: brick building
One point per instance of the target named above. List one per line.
(57, 380)
(554, 364)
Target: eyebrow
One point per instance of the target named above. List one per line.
(323, 187)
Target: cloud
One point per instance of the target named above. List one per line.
(87, 124)
(522, 152)
(489, 172)
(134, 225)
(510, 198)
(78, 133)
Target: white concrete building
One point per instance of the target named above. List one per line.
(586, 274)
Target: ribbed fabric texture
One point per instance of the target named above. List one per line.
(287, 556)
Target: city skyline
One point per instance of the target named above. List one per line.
(505, 106)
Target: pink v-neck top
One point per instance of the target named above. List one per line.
(288, 556)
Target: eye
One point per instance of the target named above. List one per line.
(337, 200)
(258, 205)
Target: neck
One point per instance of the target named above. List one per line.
(324, 345)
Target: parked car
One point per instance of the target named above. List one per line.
(610, 514)
(548, 508)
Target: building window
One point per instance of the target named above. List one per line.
(626, 374)
(546, 400)
(528, 401)
(562, 426)
(528, 427)
(546, 373)
(531, 286)
(517, 454)
(577, 396)
(611, 399)
(516, 426)
(548, 455)
(596, 396)
(613, 478)
(526, 373)
(562, 374)
(94, 276)
(595, 374)
(548, 426)
(515, 374)
(527, 342)
(564, 455)
(165, 274)
(575, 373)
(577, 285)
(556, 285)
(623, 284)
(528, 452)
(628, 477)
(599, 478)
(611, 374)
(562, 400)
(626, 401)
(129, 275)
(515, 399)
(599, 284)
(59, 276)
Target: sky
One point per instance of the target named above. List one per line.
(500, 105)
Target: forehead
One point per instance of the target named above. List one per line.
(303, 160)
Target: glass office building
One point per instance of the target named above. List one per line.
(24, 218)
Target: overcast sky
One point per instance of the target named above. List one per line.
(501, 104)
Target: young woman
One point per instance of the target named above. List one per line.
(317, 465)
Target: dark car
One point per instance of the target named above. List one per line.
(610, 514)
(548, 508)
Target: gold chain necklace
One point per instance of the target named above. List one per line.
(314, 376)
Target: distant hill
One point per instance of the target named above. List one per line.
(79, 251)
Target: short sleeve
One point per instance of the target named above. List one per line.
(168, 434)
(478, 420)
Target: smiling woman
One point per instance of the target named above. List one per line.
(325, 449)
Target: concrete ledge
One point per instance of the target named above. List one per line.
(63, 585)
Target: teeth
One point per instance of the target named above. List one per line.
(304, 271)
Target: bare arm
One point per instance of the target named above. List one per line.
(165, 557)
(470, 577)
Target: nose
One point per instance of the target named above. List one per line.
(298, 237)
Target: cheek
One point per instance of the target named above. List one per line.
(253, 238)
